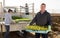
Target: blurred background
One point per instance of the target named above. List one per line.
(51, 4)
(24, 11)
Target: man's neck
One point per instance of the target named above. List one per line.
(42, 12)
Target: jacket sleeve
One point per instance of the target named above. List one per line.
(34, 20)
(49, 20)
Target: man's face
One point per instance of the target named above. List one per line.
(43, 7)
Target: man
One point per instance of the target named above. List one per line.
(7, 20)
(27, 9)
(42, 18)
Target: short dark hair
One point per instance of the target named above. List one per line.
(43, 4)
(9, 10)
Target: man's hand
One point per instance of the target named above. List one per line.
(49, 28)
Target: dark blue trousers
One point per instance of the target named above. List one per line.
(7, 31)
(37, 35)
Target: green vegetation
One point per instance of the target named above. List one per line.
(18, 19)
(23, 19)
(35, 27)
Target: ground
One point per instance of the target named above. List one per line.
(15, 35)
(12, 35)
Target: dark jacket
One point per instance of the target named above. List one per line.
(42, 19)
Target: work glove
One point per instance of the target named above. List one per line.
(49, 27)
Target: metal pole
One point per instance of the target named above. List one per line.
(33, 9)
(3, 3)
(20, 10)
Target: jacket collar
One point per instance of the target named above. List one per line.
(44, 12)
